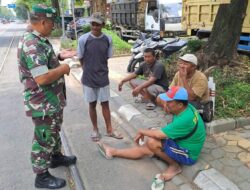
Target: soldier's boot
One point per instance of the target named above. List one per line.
(46, 180)
(61, 160)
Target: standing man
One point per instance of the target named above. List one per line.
(44, 95)
(154, 82)
(94, 49)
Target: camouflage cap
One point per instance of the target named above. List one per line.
(41, 10)
(98, 18)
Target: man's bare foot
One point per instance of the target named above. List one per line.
(106, 150)
(171, 171)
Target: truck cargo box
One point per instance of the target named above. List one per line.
(200, 15)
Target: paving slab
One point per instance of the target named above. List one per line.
(212, 179)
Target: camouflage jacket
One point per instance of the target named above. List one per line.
(35, 57)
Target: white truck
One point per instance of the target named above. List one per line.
(129, 17)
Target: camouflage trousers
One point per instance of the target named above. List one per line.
(46, 141)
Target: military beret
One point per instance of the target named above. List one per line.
(41, 10)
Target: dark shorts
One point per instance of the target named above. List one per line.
(176, 152)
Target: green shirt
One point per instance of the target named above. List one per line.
(183, 124)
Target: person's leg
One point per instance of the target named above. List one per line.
(107, 117)
(136, 82)
(42, 147)
(55, 133)
(173, 167)
(93, 115)
(135, 152)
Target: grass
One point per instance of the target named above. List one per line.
(120, 47)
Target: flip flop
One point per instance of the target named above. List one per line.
(115, 135)
(103, 151)
(95, 136)
(158, 184)
(150, 106)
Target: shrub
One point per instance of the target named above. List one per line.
(86, 28)
(68, 44)
(57, 32)
(194, 45)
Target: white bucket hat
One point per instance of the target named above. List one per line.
(189, 58)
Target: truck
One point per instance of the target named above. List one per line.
(129, 17)
(198, 18)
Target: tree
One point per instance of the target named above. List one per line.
(22, 11)
(221, 48)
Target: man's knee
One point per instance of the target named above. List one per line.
(92, 105)
(153, 144)
(132, 83)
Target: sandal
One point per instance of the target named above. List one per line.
(150, 106)
(141, 100)
(115, 134)
(95, 136)
(103, 151)
(158, 184)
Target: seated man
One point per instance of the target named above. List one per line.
(155, 81)
(194, 81)
(179, 142)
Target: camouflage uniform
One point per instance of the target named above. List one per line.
(44, 103)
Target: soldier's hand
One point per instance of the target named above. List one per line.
(66, 69)
(67, 53)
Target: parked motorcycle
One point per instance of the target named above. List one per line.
(165, 46)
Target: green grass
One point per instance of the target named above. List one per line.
(56, 32)
(120, 47)
(232, 93)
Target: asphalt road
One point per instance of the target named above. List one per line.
(17, 131)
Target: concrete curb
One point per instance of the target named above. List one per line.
(78, 183)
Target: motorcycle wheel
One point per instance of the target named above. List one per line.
(129, 65)
(135, 64)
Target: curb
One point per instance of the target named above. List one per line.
(78, 183)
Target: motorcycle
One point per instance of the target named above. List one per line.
(165, 46)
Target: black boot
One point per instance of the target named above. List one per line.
(46, 180)
(61, 160)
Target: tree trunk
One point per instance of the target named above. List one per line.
(221, 47)
(99, 6)
(55, 5)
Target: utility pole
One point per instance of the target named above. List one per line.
(62, 15)
(73, 14)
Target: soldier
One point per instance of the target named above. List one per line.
(44, 95)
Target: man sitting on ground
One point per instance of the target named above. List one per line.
(194, 81)
(179, 142)
(155, 81)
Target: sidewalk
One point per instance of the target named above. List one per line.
(225, 159)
